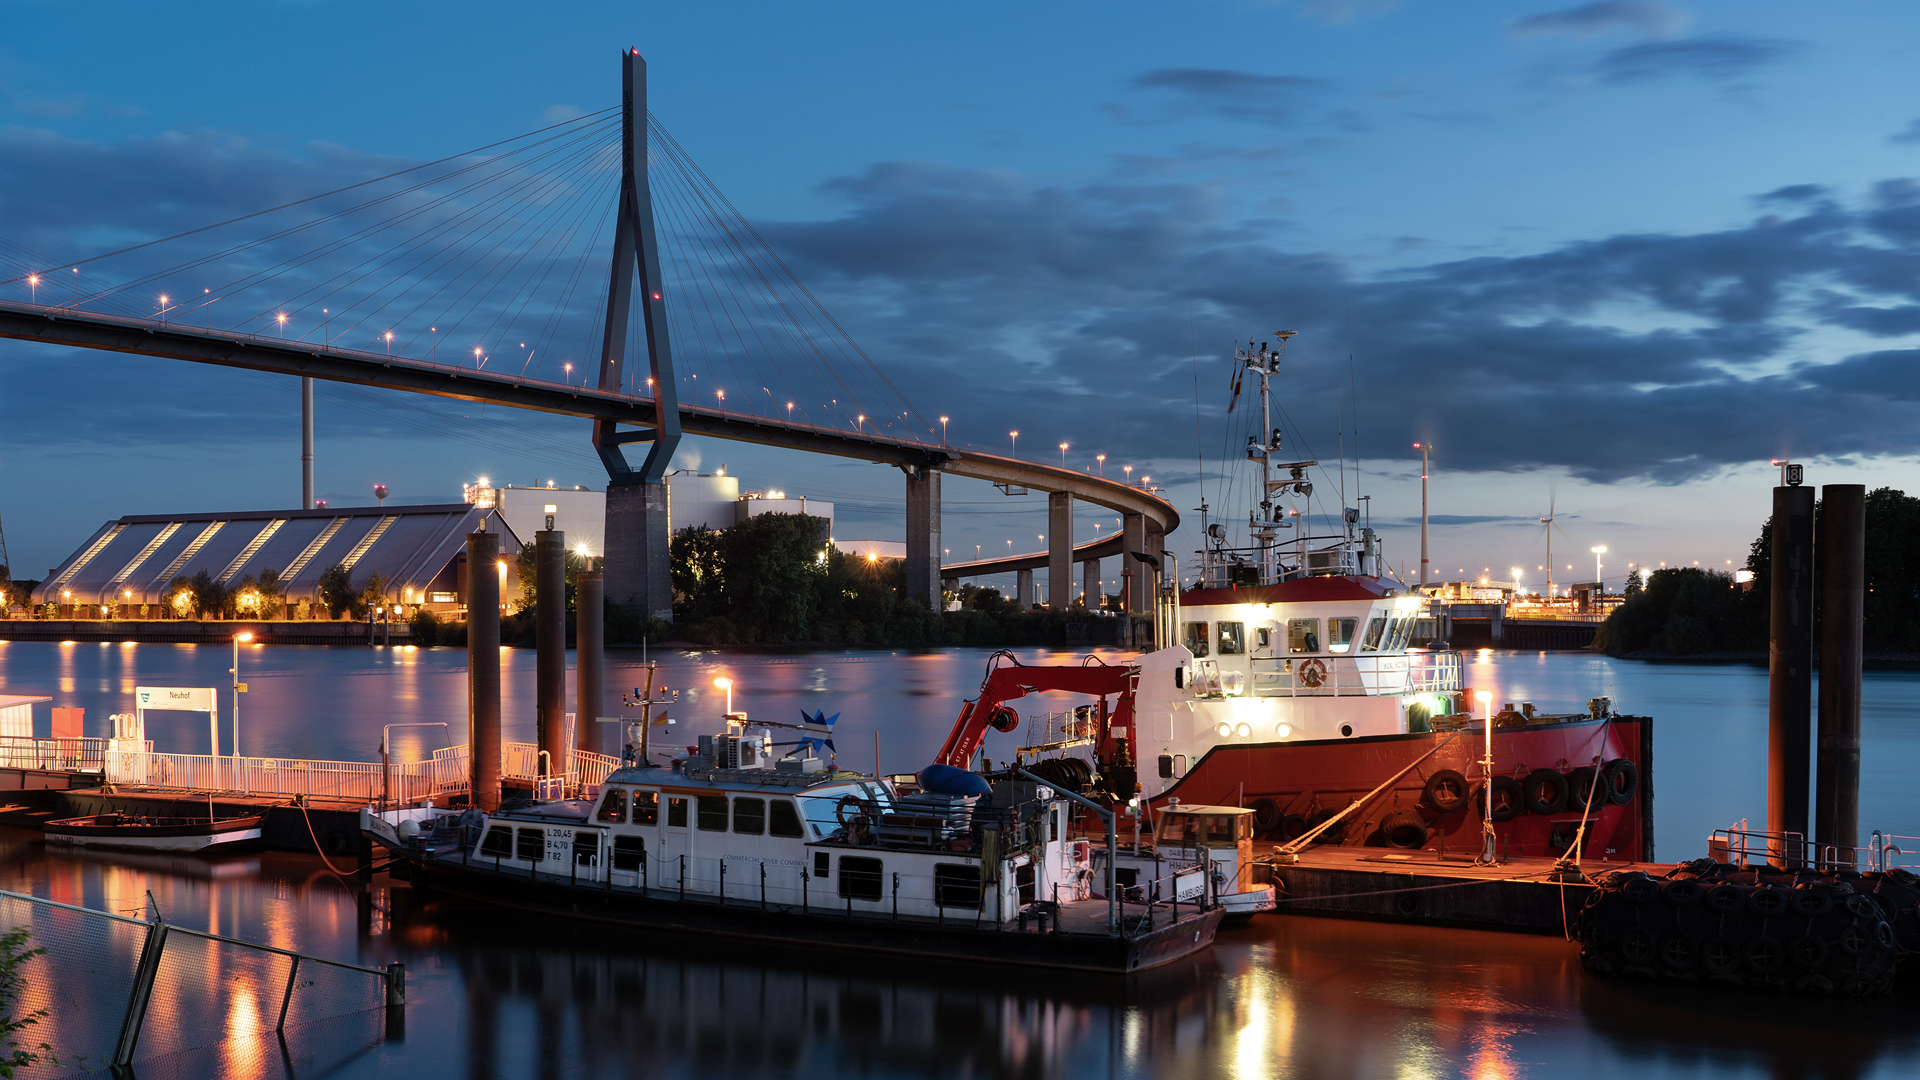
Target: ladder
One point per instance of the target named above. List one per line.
(253, 547)
(186, 555)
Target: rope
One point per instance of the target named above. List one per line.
(317, 849)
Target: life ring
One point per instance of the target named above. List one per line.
(840, 810)
(1312, 674)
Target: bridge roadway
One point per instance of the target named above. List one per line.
(1147, 517)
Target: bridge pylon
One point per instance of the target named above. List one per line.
(637, 529)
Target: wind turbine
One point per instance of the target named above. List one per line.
(1552, 526)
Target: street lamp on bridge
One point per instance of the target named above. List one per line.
(1014, 436)
(1063, 455)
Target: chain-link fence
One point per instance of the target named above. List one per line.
(117, 990)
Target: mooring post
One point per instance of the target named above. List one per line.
(483, 669)
(1790, 671)
(1842, 547)
(550, 642)
(589, 663)
(396, 1001)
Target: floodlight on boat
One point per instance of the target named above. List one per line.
(1223, 729)
(1244, 730)
(1283, 729)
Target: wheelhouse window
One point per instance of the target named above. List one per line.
(786, 820)
(1197, 639)
(1303, 635)
(750, 816)
(1376, 630)
(956, 886)
(628, 851)
(1340, 634)
(531, 845)
(646, 808)
(712, 813)
(1402, 629)
(499, 842)
(860, 879)
(676, 812)
(613, 807)
(1233, 638)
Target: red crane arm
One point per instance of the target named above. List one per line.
(1012, 680)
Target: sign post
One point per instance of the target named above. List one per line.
(182, 699)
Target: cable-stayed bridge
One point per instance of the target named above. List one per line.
(526, 274)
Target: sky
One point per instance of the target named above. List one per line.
(1609, 259)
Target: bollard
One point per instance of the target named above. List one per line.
(396, 1001)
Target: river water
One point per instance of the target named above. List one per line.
(1283, 997)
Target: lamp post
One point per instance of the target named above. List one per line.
(1063, 455)
(1100, 462)
(1424, 449)
(1014, 438)
(943, 431)
(238, 689)
(1128, 469)
(1597, 579)
(1485, 697)
(33, 285)
(724, 683)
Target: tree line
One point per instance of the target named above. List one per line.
(1688, 611)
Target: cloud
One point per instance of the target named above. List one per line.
(1587, 20)
(1908, 134)
(1715, 57)
(1272, 100)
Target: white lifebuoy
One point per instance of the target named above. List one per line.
(1312, 674)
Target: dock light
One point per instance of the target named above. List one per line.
(724, 683)
(238, 689)
(1485, 697)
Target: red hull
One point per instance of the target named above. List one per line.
(1305, 777)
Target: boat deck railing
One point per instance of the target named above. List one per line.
(1313, 675)
(66, 754)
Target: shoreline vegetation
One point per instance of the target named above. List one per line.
(1691, 613)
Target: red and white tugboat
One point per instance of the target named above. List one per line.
(1284, 684)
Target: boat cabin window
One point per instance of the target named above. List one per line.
(676, 812)
(628, 851)
(1263, 638)
(750, 816)
(1376, 630)
(1179, 765)
(956, 886)
(712, 812)
(860, 878)
(586, 847)
(820, 860)
(1233, 638)
(613, 807)
(531, 845)
(1303, 635)
(1402, 629)
(786, 820)
(1340, 634)
(499, 842)
(1192, 830)
(646, 808)
(1197, 639)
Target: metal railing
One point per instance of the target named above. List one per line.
(1307, 675)
(73, 755)
(444, 774)
(1742, 846)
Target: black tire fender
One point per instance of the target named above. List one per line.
(1403, 829)
(1446, 791)
(1622, 778)
(1508, 802)
(1545, 791)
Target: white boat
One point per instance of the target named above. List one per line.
(141, 832)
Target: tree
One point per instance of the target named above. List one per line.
(697, 571)
(773, 567)
(337, 591)
(210, 598)
(373, 593)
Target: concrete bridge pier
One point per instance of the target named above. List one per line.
(1059, 549)
(923, 534)
(1137, 575)
(1023, 588)
(637, 567)
(1090, 584)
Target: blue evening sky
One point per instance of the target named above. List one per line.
(1623, 251)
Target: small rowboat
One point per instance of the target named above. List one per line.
(139, 832)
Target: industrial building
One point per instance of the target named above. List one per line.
(420, 551)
